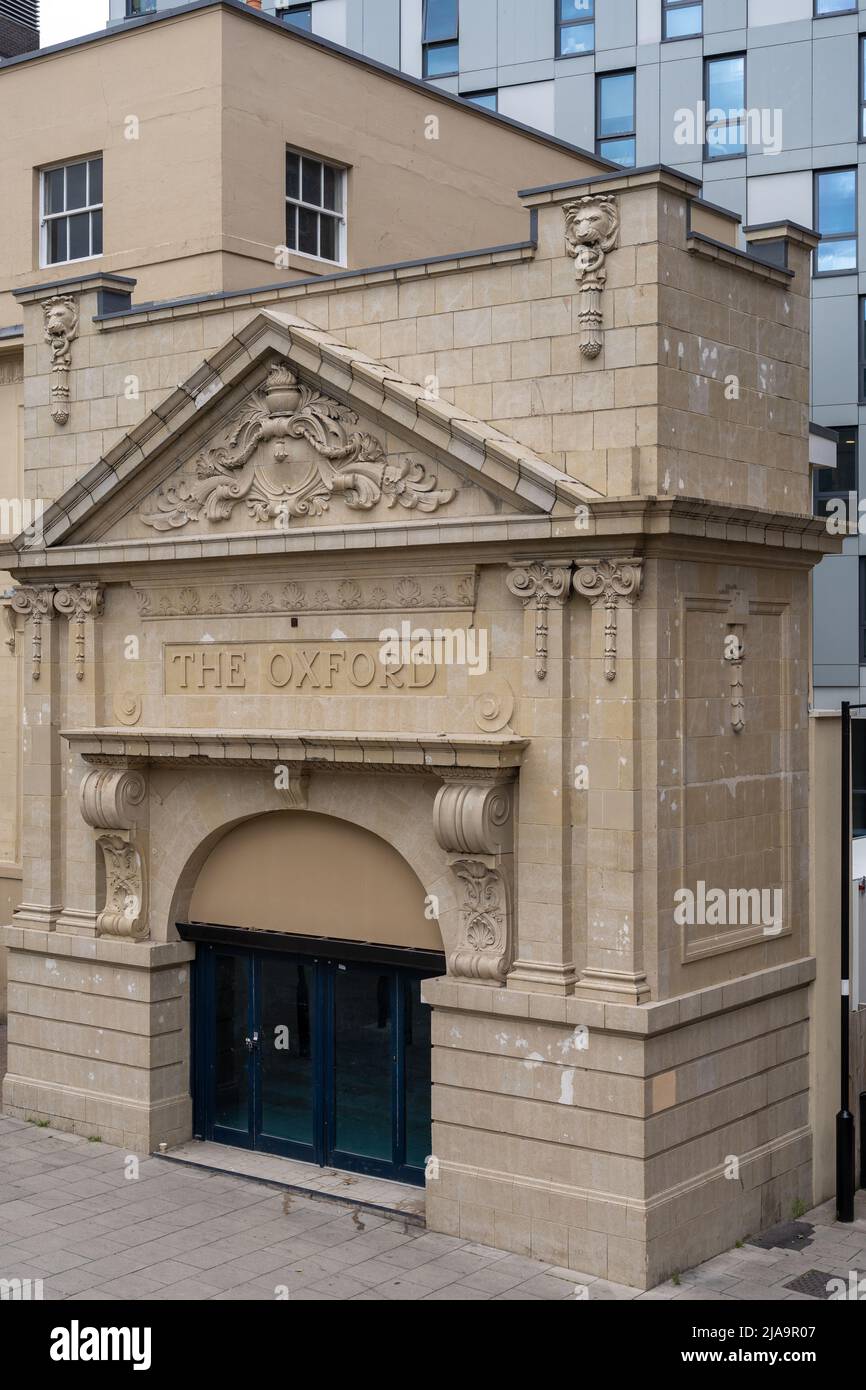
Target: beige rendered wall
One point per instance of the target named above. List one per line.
(312, 875)
(196, 202)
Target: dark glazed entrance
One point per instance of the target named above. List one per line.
(317, 1050)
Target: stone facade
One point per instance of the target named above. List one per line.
(588, 457)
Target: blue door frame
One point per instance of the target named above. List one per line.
(397, 974)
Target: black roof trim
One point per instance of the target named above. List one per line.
(215, 295)
(620, 173)
(77, 280)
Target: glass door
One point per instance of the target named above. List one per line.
(314, 1057)
(288, 1089)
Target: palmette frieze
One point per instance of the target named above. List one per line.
(401, 593)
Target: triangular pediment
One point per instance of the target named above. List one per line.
(285, 428)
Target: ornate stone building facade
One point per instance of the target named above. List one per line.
(570, 481)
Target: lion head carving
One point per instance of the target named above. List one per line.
(60, 315)
(591, 230)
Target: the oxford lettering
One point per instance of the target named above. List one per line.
(77, 1343)
(293, 668)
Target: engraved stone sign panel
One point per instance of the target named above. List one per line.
(294, 668)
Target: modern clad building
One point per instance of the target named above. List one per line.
(406, 683)
(19, 27)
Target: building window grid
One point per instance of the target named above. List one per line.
(136, 8)
(315, 207)
(682, 19)
(301, 16)
(736, 112)
(625, 136)
(56, 222)
(488, 99)
(832, 241)
(839, 483)
(575, 27)
(441, 38)
(823, 9)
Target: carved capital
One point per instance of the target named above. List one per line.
(123, 914)
(472, 815)
(293, 786)
(541, 584)
(36, 602)
(77, 602)
(591, 231)
(609, 583)
(60, 327)
(108, 797)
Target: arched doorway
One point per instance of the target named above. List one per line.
(311, 1040)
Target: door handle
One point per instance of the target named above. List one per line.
(252, 1042)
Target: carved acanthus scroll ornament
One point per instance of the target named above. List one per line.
(264, 461)
(610, 583)
(108, 798)
(540, 584)
(60, 322)
(36, 602)
(78, 602)
(473, 820)
(591, 231)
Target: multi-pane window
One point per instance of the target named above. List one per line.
(615, 118)
(441, 38)
(831, 484)
(725, 86)
(315, 207)
(489, 100)
(299, 15)
(137, 7)
(575, 27)
(823, 7)
(72, 211)
(836, 220)
(683, 19)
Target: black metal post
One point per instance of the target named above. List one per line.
(845, 1138)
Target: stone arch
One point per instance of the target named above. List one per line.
(192, 810)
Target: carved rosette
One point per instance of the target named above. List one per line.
(60, 324)
(288, 451)
(610, 583)
(473, 819)
(541, 584)
(108, 799)
(591, 231)
(78, 602)
(36, 602)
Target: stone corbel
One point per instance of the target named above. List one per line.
(609, 583)
(293, 787)
(108, 800)
(36, 602)
(473, 818)
(541, 584)
(11, 621)
(78, 602)
(591, 231)
(60, 322)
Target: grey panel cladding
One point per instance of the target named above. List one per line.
(479, 26)
(834, 349)
(615, 24)
(837, 599)
(780, 79)
(834, 80)
(721, 16)
(381, 36)
(526, 32)
(682, 83)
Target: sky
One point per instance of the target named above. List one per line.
(66, 19)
